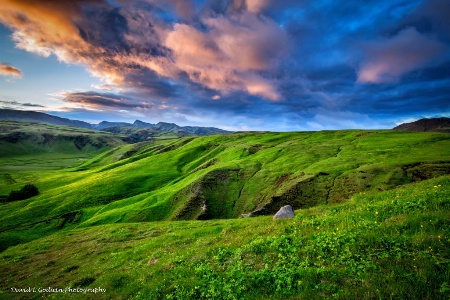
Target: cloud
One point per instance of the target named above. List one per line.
(98, 100)
(122, 43)
(8, 70)
(386, 60)
(431, 17)
(89, 32)
(246, 62)
(108, 102)
(15, 104)
(230, 54)
(46, 27)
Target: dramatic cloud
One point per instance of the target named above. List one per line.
(388, 59)
(46, 27)
(227, 53)
(8, 70)
(263, 64)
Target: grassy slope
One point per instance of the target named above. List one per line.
(18, 138)
(230, 175)
(378, 245)
(30, 151)
(32, 147)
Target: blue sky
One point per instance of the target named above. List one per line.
(233, 64)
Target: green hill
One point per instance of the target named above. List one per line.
(378, 245)
(21, 138)
(39, 117)
(433, 124)
(29, 147)
(99, 209)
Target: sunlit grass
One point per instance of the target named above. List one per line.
(363, 229)
(393, 244)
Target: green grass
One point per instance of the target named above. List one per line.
(18, 138)
(31, 151)
(230, 175)
(378, 245)
(372, 215)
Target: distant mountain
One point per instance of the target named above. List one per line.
(171, 127)
(435, 124)
(33, 116)
(106, 124)
(141, 124)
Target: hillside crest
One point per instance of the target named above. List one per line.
(427, 125)
(34, 116)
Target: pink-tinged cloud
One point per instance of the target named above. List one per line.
(386, 60)
(8, 70)
(251, 6)
(230, 54)
(256, 6)
(46, 27)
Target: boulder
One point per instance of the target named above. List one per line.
(284, 212)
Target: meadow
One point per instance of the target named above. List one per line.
(190, 217)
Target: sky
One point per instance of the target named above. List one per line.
(272, 65)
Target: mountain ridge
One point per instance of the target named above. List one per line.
(34, 116)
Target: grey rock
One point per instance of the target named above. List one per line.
(284, 212)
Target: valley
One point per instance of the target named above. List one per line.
(185, 217)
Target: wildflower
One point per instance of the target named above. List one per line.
(376, 213)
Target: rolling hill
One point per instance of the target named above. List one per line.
(427, 125)
(367, 201)
(19, 138)
(228, 176)
(36, 147)
(34, 116)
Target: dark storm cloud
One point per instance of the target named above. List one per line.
(105, 28)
